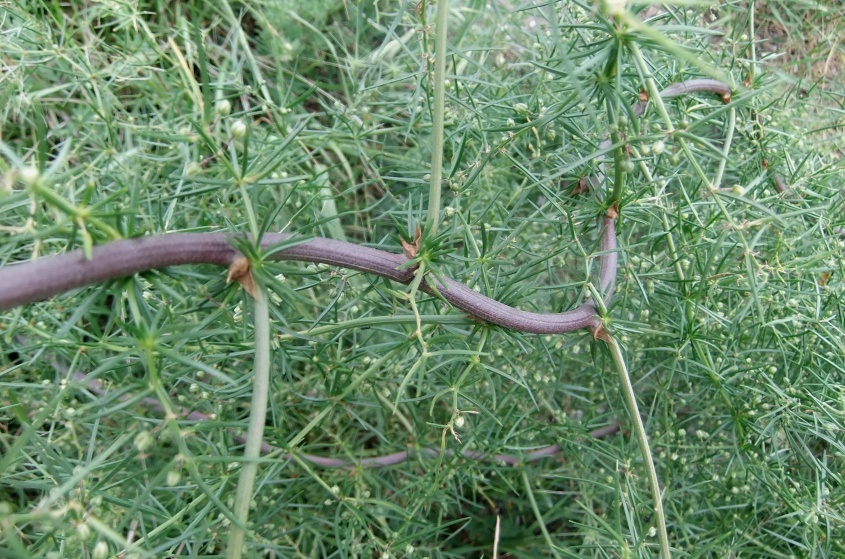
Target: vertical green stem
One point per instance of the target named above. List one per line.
(752, 9)
(726, 149)
(255, 432)
(618, 174)
(244, 43)
(639, 429)
(540, 521)
(433, 218)
(651, 85)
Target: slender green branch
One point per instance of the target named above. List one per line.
(412, 300)
(752, 32)
(81, 215)
(369, 321)
(257, 418)
(664, 220)
(618, 173)
(726, 149)
(651, 86)
(671, 47)
(439, 108)
(247, 50)
(540, 522)
(642, 439)
(711, 186)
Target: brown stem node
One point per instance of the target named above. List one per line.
(241, 272)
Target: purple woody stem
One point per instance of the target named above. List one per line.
(40, 279)
(96, 386)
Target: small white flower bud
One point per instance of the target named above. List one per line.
(143, 440)
(29, 175)
(658, 147)
(238, 129)
(223, 107)
(101, 551)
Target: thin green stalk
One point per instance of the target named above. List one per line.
(671, 47)
(252, 219)
(187, 459)
(726, 149)
(540, 522)
(689, 305)
(711, 186)
(369, 321)
(642, 439)
(752, 30)
(618, 174)
(80, 214)
(439, 108)
(247, 50)
(651, 86)
(612, 104)
(412, 299)
(257, 418)
(667, 230)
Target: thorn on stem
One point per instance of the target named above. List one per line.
(600, 333)
(412, 249)
(240, 271)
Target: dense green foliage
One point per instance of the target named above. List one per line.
(128, 118)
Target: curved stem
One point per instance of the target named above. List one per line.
(162, 404)
(43, 278)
